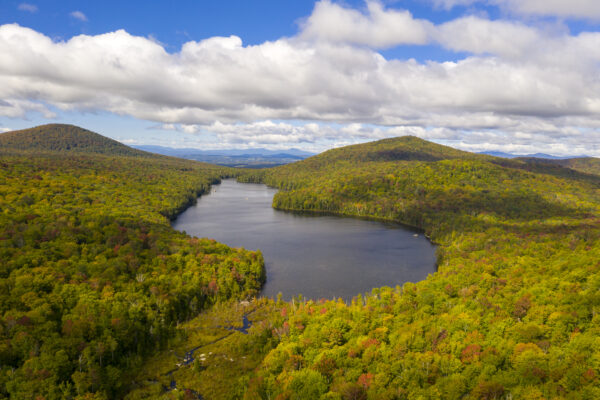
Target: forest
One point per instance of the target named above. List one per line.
(102, 299)
(62, 137)
(92, 277)
(512, 311)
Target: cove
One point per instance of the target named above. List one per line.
(318, 256)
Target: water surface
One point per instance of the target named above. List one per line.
(318, 256)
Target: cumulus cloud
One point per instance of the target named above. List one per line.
(481, 36)
(572, 8)
(377, 27)
(32, 8)
(164, 127)
(519, 83)
(265, 133)
(449, 4)
(17, 108)
(185, 128)
(583, 9)
(78, 15)
(286, 134)
(280, 135)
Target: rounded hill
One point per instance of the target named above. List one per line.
(63, 137)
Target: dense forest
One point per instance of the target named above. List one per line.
(62, 137)
(512, 311)
(100, 298)
(586, 165)
(93, 279)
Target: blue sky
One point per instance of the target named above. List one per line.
(307, 74)
(174, 24)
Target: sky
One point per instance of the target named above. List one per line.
(520, 76)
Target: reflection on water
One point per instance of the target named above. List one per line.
(316, 256)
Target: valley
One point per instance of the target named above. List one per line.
(101, 298)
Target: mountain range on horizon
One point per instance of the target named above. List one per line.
(172, 151)
(71, 137)
(240, 158)
(535, 155)
(301, 154)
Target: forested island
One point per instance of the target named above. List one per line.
(101, 298)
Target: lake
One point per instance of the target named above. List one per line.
(318, 256)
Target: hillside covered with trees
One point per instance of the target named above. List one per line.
(511, 313)
(587, 165)
(63, 137)
(93, 279)
(101, 299)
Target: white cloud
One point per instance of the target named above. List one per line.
(32, 8)
(520, 83)
(480, 36)
(78, 15)
(165, 127)
(189, 128)
(17, 108)
(449, 4)
(284, 135)
(526, 137)
(311, 136)
(583, 9)
(571, 8)
(378, 28)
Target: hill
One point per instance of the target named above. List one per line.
(62, 137)
(407, 149)
(512, 311)
(419, 163)
(588, 165)
(93, 279)
(404, 148)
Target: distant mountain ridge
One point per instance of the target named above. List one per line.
(536, 155)
(64, 137)
(225, 152)
(247, 158)
(582, 164)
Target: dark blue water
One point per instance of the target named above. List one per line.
(318, 256)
